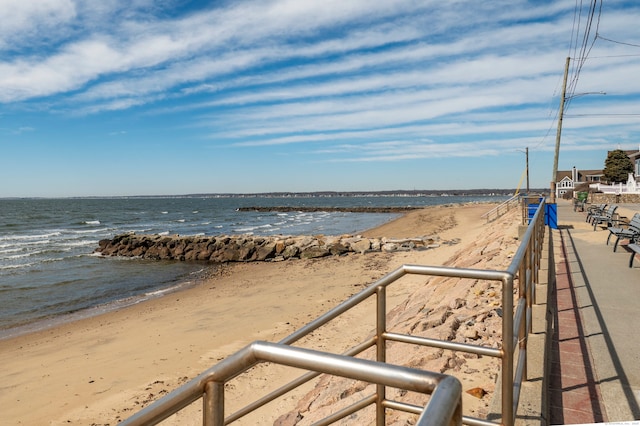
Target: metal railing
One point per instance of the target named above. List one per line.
(501, 209)
(444, 406)
(515, 328)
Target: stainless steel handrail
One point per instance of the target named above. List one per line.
(502, 208)
(444, 406)
(515, 328)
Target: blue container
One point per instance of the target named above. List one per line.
(532, 207)
(551, 216)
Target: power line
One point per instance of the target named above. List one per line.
(617, 42)
(586, 47)
(602, 115)
(614, 56)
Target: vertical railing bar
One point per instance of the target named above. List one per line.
(507, 349)
(518, 320)
(519, 378)
(381, 351)
(213, 404)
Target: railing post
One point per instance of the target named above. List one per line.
(524, 281)
(381, 350)
(213, 404)
(507, 349)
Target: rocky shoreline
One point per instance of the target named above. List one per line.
(246, 248)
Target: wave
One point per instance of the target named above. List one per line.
(253, 228)
(88, 231)
(30, 237)
(13, 249)
(166, 290)
(21, 266)
(23, 244)
(91, 222)
(80, 243)
(23, 255)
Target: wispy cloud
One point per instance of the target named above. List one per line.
(342, 80)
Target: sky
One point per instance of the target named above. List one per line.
(167, 97)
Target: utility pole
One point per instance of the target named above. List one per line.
(527, 159)
(558, 133)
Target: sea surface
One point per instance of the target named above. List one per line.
(49, 273)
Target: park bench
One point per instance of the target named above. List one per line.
(580, 200)
(606, 217)
(635, 249)
(630, 231)
(596, 209)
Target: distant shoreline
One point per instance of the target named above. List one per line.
(315, 194)
(328, 209)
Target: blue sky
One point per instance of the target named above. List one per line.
(132, 97)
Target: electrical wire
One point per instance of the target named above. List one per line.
(586, 45)
(603, 115)
(580, 56)
(617, 42)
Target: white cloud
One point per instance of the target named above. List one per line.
(26, 21)
(328, 73)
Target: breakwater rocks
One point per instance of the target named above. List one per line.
(245, 248)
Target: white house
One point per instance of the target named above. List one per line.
(567, 180)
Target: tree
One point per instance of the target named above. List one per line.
(617, 166)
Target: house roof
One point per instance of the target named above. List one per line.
(591, 172)
(582, 174)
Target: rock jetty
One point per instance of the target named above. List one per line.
(247, 248)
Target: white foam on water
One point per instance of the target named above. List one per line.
(30, 237)
(81, 243)
(88, 231)
(23, 255)
(22, 265)
(166, 290)
(4, 249)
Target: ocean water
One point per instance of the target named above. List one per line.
(49, 273)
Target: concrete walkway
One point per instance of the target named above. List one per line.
(595, 351)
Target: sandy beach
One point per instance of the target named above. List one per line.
(102, 369)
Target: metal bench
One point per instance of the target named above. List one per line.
(635, 249)
(596, 209)
(606, 217)
(630, 231)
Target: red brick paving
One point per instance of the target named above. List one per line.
(574, 395)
